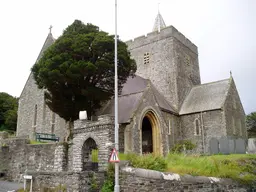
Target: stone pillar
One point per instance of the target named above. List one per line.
(60, 158)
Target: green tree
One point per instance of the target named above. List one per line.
(8, 111)
(77, 71)
(251, 124)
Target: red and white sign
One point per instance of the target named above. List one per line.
(114, 157)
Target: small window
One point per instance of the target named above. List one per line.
(53, 123)
(35, 116)
(187, 60)
(240, 127)
(169, 128)
(233, 126)
(197, 127)
(234, 103)
(146, 58)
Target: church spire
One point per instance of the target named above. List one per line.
(159, 21)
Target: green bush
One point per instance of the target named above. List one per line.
(148, 161)
(109, 184)
(185, 144)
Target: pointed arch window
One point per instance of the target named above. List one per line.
(53, 122)
(35, 117)
(169, 127)
(197, 127)
(233, 126)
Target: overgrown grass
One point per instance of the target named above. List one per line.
(237, 167)
(33, 142)
(148, 161)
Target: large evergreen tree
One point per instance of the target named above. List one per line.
(77, 71)
(251, 124)
(8, 112)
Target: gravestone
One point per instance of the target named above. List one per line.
(231, 144)
(214, 146)
(240, 146)
(252, 145)
(224, 145)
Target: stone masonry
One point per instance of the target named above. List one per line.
(134, 180)
(167, 85)
(102, 132)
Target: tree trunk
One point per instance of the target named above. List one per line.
(69, 127)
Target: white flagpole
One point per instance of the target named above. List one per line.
(117, 187)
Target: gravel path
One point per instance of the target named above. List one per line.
(9, 186)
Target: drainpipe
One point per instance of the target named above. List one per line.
(202, 128)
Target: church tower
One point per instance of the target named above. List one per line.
(168, 59)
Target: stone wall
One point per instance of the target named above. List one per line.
(173, 62)
(17, 157)
(101, 131)
(32, 102)
(212, 125)
(234, 113)
(133, 130)
(133, 180)
(71, 181)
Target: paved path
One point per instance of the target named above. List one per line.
(9, 186)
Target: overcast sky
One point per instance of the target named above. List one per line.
(223, 30)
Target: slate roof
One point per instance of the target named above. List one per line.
(205, 97)
(131, 95)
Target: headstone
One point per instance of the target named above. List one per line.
(252, 145)
(240, 146)
(224, 145)
(231, 144)
(214, 146)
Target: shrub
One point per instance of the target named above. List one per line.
(185, 144)
(109, 184)
(148, 161)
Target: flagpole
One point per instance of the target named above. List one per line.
(117, 187)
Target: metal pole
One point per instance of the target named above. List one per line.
(117, 187)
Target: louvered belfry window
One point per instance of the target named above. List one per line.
(146, 58)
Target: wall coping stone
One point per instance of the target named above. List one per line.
(151, 174)
(61, 173)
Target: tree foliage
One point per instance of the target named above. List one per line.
(77, 71)
(251, 123)
(8, 111)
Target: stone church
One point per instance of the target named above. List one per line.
(163, 104)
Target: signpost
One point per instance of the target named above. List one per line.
(117, 187)
(114, 157)
(28, 177)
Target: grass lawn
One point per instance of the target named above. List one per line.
(240, 167)
(33, 142)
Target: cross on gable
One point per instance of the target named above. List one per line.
(50, 28)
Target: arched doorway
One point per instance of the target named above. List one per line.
(150, 134)
(147, 141)
(90, 155)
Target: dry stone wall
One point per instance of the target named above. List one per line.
(18, 157)
(68, 181)
(142, 180)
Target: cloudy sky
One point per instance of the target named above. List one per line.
(223, 30)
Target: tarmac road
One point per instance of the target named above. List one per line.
(6, 186)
